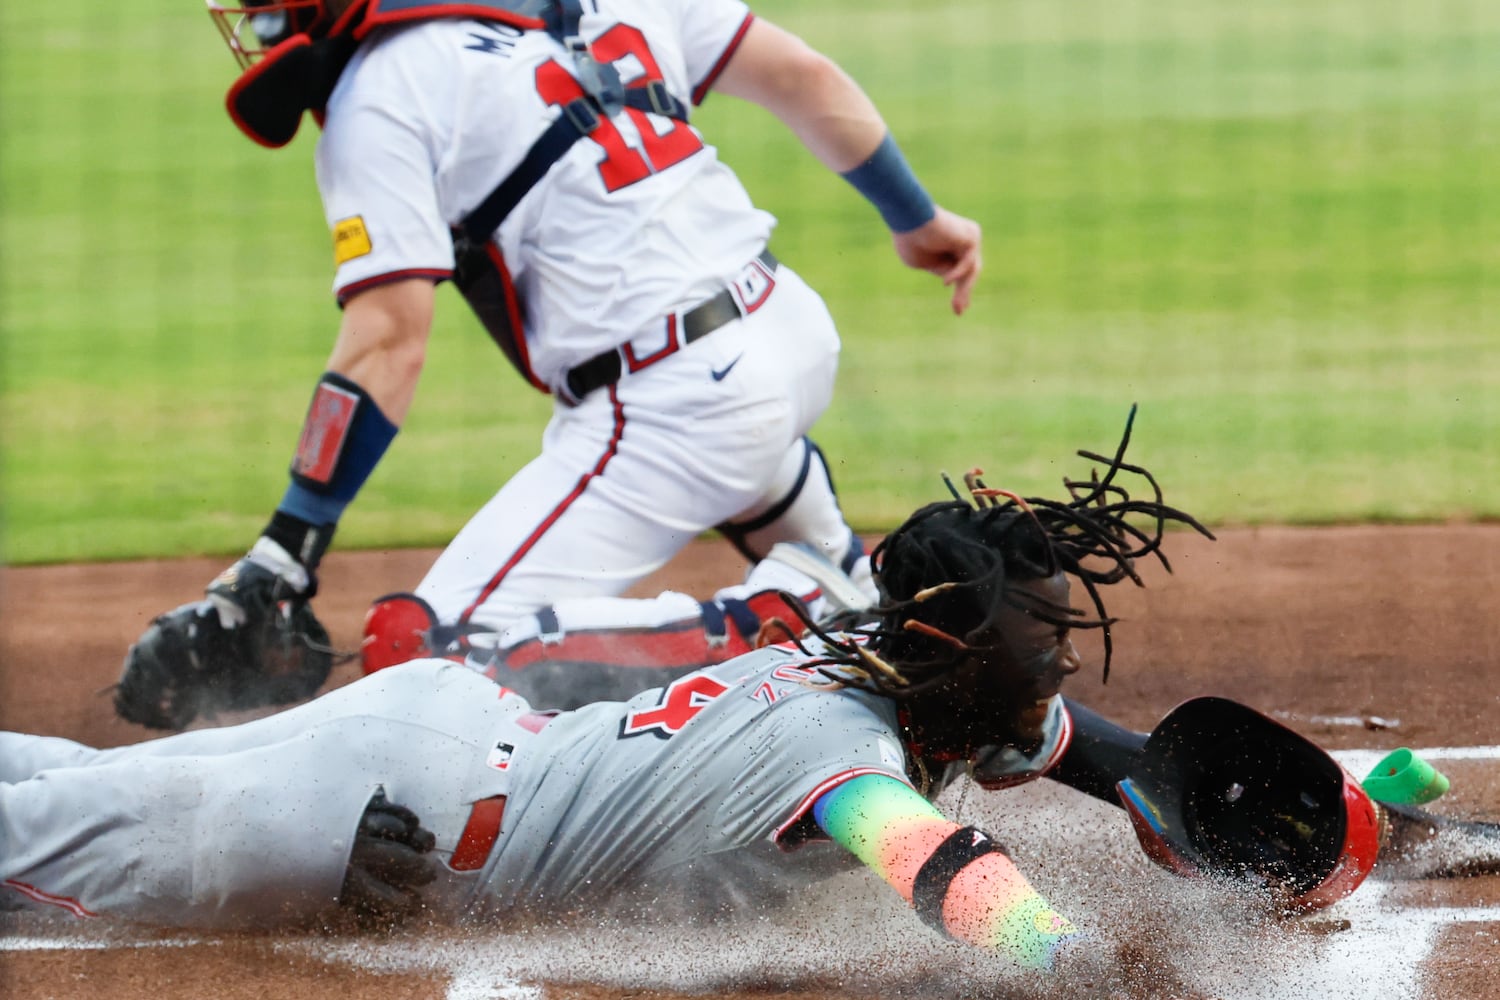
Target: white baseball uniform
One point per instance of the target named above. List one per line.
(633, 227)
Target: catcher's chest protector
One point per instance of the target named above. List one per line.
(480, 273)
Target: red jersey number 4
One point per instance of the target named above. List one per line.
(623, 164)
(683, 699)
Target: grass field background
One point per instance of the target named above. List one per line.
(1275, 226)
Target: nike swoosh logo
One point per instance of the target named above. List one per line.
(720, 373)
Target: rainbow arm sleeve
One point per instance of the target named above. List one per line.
(988, 902)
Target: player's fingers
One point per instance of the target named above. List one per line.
(961, 279)
(390, 821)
(393, 863)
(383, 824)
(960, 300)
(397, 811)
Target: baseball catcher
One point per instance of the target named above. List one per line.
(618, 264)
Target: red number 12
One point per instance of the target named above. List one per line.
(623, 165)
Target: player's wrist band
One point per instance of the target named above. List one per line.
(952, 856)
(887, 182)
(343, 438)
(969, 890)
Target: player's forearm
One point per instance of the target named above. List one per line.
(356, 410)
(955, 877)
(832, 116)
(382, 343)
(1099, 756)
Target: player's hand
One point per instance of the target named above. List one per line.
(947, 246)
(1073, 954)
(390, 861)
(248, 590)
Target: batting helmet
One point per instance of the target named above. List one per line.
(1221, 789)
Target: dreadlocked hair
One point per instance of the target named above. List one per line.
(945, 574)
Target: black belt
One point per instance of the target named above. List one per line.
(698, 322)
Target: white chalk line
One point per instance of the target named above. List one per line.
(1383, 953)
(1384, 949)
(476, 984)
(25, 942)
(1359, 721)
(1359, 762)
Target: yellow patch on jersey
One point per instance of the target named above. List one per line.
(350, 239)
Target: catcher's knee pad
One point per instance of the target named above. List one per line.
(398, 627)
(800, 505)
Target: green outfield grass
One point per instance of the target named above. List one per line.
(1274, 226)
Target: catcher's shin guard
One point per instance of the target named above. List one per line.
(608, 649)
(674, 631)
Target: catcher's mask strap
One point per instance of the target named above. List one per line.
(1219, 788)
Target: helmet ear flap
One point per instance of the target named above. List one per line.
(268, 99)
(1221, 789)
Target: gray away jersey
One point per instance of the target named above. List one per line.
(691, 785)
(691, 794)
(701, 791)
